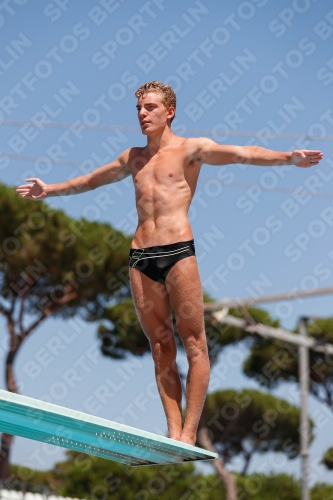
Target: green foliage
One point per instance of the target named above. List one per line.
(271, 362)
(56, 264)
(123, 332)
(270, 487)
(83, 476)
(51, 264)
(22, 477)
(328, 459)
(248, 422)
(220, 335)
(322, 491)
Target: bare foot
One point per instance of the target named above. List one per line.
(176, 437)
(188, 439)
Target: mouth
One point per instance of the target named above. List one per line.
(144, 123)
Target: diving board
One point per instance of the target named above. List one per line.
(53, 424)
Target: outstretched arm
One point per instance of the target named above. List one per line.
(112, 172)
(215, 154)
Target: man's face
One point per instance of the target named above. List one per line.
(153, 115)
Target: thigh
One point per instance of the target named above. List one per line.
(185, 292)
(153, 307)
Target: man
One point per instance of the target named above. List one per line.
(163, 268)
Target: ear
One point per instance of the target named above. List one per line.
(171, 112)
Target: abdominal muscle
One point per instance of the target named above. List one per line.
(163, 231)
(162, 216)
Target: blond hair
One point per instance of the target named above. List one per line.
(166, 91)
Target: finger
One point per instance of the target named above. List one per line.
(313, 162)
(32, 179)
(312, 152)
(25, 195)
(316, 156)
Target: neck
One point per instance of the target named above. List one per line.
(160, 140)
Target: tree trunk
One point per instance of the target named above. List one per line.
(226, 477)
(7, 439)
(6, 443)
(203, 438)
(247, 458)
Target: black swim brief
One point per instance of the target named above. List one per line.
(156, 262)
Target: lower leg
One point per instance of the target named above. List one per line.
(185, 292)
(154, 311)
(170, 390)
(196, 390)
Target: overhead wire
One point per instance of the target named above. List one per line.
(192, 131)
(240, 185)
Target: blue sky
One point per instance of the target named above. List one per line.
(239, 69)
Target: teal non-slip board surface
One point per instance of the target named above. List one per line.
(46, 422)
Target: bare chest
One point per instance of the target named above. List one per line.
(167, 168)
(161, 169)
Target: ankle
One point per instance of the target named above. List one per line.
(175, 431)
(188, 438)
(175, 435)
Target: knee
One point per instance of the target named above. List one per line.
(162, 333)
(196, 348)
(164, 349)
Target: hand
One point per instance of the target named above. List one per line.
(306, 158)
(34, 191)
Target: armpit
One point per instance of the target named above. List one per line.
(196, 151)
(123, 174)
(126, 173)
(195, 161)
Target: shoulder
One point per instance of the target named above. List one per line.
(196, 147)
(204, 150)
(129, 155)
(198, 143)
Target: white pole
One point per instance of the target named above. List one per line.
(304, 422)
(215, 306)
(274, 333)
(219, 311)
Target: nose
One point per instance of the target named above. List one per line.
(142, 112)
